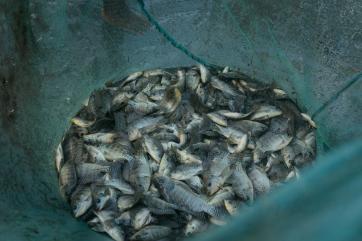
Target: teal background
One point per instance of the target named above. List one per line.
(54, 53)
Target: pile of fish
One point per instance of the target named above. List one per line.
(167, 153)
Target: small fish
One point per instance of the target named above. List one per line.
(252, 127)
(185, 157)
(288, 155)
(233, 206)
(260, 180)
(192, 80)
(105, 138)
(233, 115)
(170, 100)
(224, 193)
(241, 184)
(166, 165)
(110, 227)
(196, 183)
(67, 178)
(195, 226)
(152, 233)
(120, 100)
(117, 152)
(217, 118)
(142, 218)
(158, 206)
(153, 147)
(204, 73)
(101, 196)
(90, 172)
(125, 219)
(81, 200)
(59, 157)
(118, 184)
(95, 154)
(141, 173)
(280, 94)
(273, 159)
(143, 126)
(153, 72)
(264, 112)
(186, 171)
(181, 79)
(223, 86)
(273, 142)
(240, 145)
(308, 119)
(293, 174)
(142, 107)
(125, 202)
(184, 198)
(82, 122)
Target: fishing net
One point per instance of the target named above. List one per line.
(54, 53)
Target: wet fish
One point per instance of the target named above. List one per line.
(154, 148)
(67, 178)
(186, 171)
(183, 198)
(264, 112)
(105, 138)
(142, 218)
(141, 173)
(81, 200)
(260, 180)
(110, 227)
(152, 233)
(195, 226)
(59, 157)
(125, 202)
(241, 184)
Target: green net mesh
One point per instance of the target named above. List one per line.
(54, 53)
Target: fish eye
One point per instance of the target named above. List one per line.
(98, 200)
(75, 206)
(209, 184)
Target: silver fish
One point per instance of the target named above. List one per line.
(166, 165)
(217, 118)
(264, 112)
(118, 184)
(67, 178)
(110, 227)
(99, 137)
(233, 115)
(204, 73)
(95, 154)
(186, 171)
(186, 199)
(241, 184)
(171, 100)
(142, 218)
(196, 183)
(151, 233)
(192, 80)
(195, 226)
(125, 202)
(158, 206)
(233, 206)
(154, 148)
(81, 200)
(141, 173)
(59, 157)
(143, 126)
(273, 142)
(260, 180)
(308, 119)
(224, 193)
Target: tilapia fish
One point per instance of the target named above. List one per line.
(166, 153)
